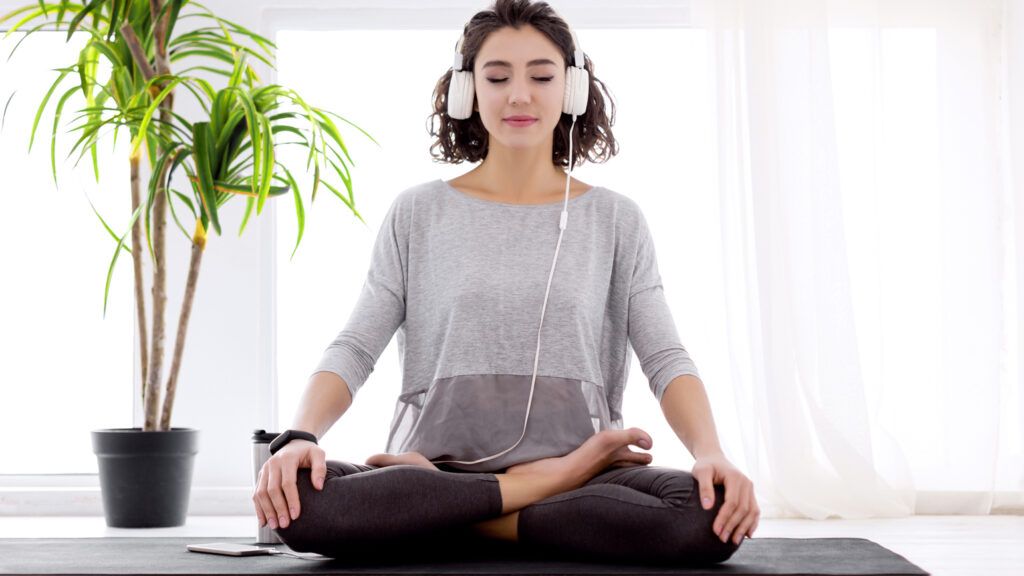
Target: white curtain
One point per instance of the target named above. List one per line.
(873, 243)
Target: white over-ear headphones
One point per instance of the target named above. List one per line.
(461, 90)
(574, 103)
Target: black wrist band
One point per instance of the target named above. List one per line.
(289, 435)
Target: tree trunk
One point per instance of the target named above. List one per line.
(159, 229)
(140, 300)
(153, 388)
(198, 245)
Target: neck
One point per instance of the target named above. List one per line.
(521, 174)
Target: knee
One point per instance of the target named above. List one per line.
(710, 548)
(302, 533)
(693, 536)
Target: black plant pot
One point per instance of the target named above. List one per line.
(145, 477)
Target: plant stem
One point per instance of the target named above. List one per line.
(140, 301)
(151, 391)
(198, 245)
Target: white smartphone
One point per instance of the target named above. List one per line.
(230, 549)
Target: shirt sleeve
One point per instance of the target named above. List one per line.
(652, 331)
(379, 310)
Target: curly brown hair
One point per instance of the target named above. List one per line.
(466, 139)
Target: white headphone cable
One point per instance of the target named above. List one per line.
(536, 359)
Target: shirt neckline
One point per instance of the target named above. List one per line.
(451, 189)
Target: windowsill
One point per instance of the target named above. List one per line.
(96, 527)
(87, 501)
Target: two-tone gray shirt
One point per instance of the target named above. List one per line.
(462, 280)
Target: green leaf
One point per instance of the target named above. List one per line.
(53, 134)
(215, 54)
(152, 108)
(109, 53)
(93, 5)
(249, 109)
(187, 202)
(174, 215)
(25, 37)
(201, 156)
(3, 120)
(173, 19)
(345, 200)
(332, 131)
(104, 222)
(117, 252)
(46, 99)
(243, 190)
(248, 211)
(267, 163)
(176, 153)
(236, 69)
(300, 213)
(32, 16)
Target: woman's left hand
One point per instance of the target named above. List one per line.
(739, 514)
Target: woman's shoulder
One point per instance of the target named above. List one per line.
(626, 207)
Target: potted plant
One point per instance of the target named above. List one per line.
(146, 473)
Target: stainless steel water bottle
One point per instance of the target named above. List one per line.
(260, 454)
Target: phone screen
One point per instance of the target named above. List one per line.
(229, 549)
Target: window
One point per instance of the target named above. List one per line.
(66, 369)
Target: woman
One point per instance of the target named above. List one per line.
(485, 443)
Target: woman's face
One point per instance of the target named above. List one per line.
(519, 73)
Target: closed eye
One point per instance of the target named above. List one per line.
(500, 80)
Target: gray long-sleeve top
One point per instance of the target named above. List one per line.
(462, 280)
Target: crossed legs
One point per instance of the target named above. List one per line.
(599, 501)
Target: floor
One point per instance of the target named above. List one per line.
(942, 545)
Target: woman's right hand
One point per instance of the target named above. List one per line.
(277, 495)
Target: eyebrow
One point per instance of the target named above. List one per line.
(505, 64)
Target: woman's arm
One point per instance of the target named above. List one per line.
(686, 407)
(688, 411)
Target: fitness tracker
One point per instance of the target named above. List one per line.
(289, 435)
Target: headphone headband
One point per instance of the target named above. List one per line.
(577, 53)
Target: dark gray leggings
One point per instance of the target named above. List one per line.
(636, 514)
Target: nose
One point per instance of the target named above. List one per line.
(519, 93)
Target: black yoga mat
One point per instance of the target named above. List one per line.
(793, 556)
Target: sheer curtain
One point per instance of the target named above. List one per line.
(872, 250)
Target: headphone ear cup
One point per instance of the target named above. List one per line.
(577, 91)
(460, 95)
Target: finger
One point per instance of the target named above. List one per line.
(291, 495)
(290, 486)
(640, 457)
(743, 529)
(707, 488)
(745, 522)
(630, 458)
(266, 505)
(261, 488)
(319, 471)
(276, 497)
(624, 464)
(740, 497)
(757, 520)
(729, 505)
(644, 439)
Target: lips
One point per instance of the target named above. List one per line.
(515, 122)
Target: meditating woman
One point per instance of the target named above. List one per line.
(518, 293)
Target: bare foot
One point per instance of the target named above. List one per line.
(414, 458)
(603, 449)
